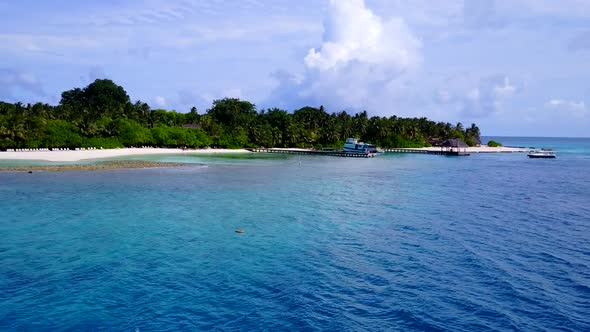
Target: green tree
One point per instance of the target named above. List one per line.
(130, 133)
(61, 134)
(233, 112)
(102, 115)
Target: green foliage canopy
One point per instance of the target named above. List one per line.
(102, 115)
(494, 144)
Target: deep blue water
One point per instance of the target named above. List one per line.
(398, 242)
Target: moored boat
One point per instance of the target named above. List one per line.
(353, 145)
(543, 153)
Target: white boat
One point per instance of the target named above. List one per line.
(353, 145)
(543, 153)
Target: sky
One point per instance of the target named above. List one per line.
(514, 67)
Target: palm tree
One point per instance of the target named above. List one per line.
(459, 126)
(473, 131)
(413, 131)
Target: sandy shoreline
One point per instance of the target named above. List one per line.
(78, 155)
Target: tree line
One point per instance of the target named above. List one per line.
(102, 115)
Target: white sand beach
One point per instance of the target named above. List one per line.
(77, 155)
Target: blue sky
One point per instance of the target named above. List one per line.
(515, 67)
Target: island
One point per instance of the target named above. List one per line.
(101, 115)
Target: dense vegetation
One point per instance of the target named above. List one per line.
(102, 115)
(494, 144)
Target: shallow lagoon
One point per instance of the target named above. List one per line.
(409, 242)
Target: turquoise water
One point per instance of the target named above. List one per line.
(565, 146)
(398, 242)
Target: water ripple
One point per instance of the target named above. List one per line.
(394, 243)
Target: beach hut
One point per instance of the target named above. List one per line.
(454, 145)
(434, 141)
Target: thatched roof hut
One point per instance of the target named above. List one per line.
(454, 143)
(434, 141)
(476, 140)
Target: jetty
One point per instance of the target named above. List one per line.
(339, 153)
(331, 153)
(355, 149)
(450, 147)
(456, 153)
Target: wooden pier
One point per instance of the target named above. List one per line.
(434, 152)
(316, 152)
(336, 153)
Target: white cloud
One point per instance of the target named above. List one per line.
(160, 101)
(355, 33)
(371, 55)
(98, 32)
(574, 107)
(363, 61)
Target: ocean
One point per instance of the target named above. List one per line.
(398, 242)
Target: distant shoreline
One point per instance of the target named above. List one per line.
(79, 155)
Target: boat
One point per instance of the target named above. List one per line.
(353, 145)
(543, 153)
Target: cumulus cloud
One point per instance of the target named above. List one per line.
(353, 33)
(360, 63)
